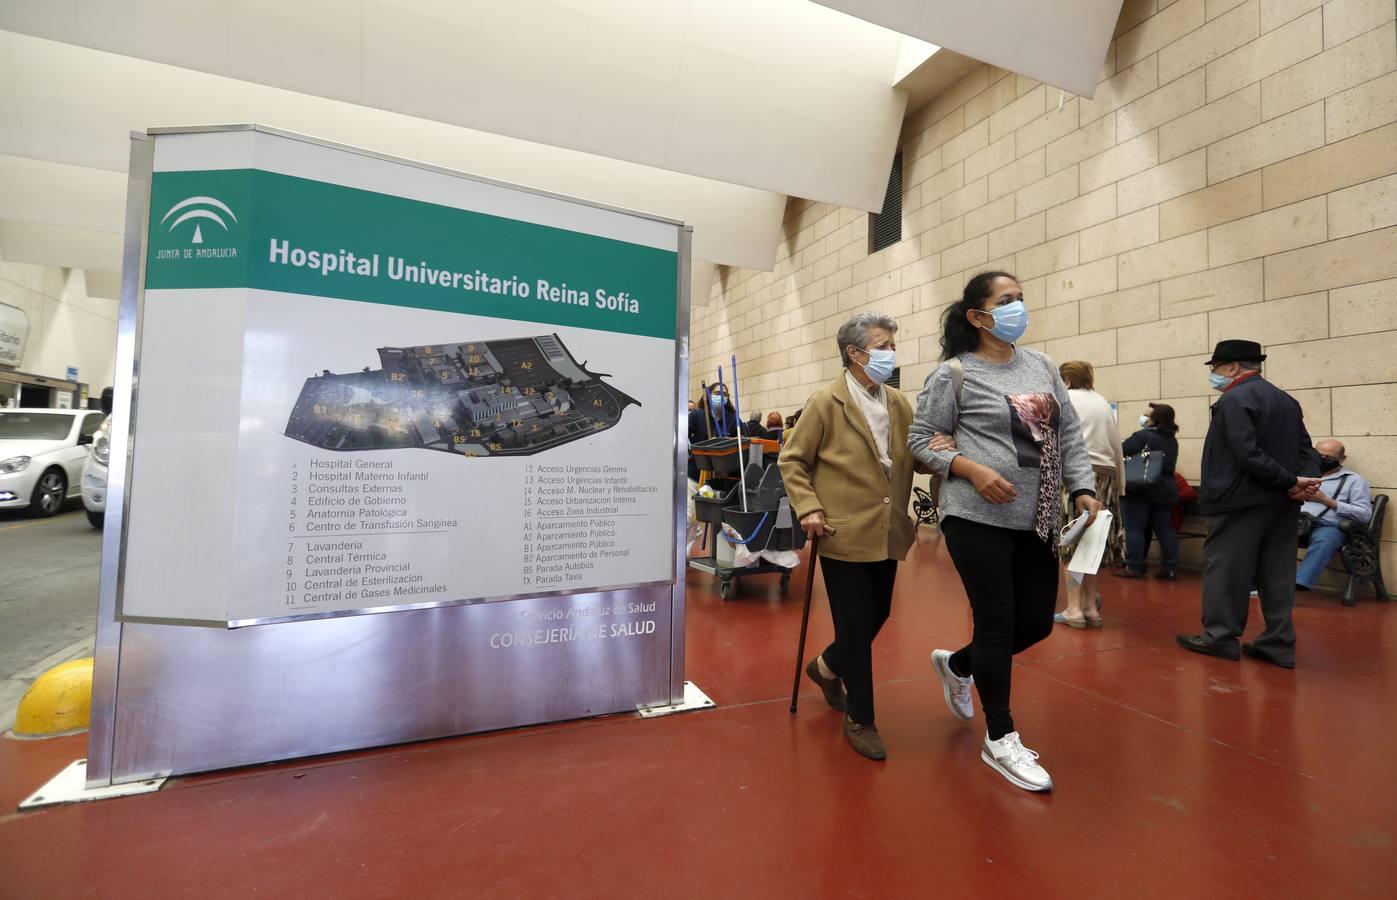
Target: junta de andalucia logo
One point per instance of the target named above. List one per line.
(186, 220)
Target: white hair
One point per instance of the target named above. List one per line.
(854, 333)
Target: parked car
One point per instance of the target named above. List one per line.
(94, 474)
(42, 453)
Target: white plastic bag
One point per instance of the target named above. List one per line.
(1086, 559)
(787, 559)
(741, 556)
(695, 527)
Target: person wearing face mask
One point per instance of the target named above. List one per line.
(1344, 495)
(1151, 508)
(1258, 465)
(995, 421)
(848, 475)
(714, 416)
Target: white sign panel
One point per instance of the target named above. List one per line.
(14, 331)
(386, 387)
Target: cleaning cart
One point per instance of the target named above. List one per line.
(764, 522)
(742, 504)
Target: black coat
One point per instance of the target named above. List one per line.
(1257, 445)
(1164, 492)
(701, 430)
(755, 429)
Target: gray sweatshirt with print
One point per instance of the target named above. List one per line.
(999, 422)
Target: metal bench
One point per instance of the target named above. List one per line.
(924, 507)
(1362, 552)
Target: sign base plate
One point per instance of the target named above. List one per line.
(694, 699)
(70, 786)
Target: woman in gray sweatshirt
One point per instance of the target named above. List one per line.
(995, 422)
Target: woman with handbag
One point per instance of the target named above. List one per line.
(1150, 493)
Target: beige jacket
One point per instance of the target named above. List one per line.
(830, 463)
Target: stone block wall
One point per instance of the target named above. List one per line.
(1234, 176)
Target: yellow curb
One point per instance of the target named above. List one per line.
(58, 702)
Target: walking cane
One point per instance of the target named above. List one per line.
(805, 619)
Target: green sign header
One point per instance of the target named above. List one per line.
(250, 228)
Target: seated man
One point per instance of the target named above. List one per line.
(1344, 494)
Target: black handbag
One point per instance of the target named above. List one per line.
(1306, 525)
(1144, 471)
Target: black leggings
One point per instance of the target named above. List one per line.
(860, 598)
(1011, 579)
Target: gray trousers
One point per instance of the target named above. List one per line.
(1253, 544)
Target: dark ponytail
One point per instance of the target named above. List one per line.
(957, 334)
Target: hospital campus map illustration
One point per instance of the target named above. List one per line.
(514, 397)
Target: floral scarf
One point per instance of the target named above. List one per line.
(1039, 413)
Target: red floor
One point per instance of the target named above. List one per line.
(1176, 774)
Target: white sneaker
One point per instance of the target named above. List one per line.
(955, 688)
(1010, 758)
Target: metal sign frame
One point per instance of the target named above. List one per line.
(169, 699)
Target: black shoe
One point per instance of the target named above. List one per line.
(1199, 644)
(1255, 652)
(832, 688)
(1301, 587)
(1128, 573)
(1167, 575)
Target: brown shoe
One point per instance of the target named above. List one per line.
(864, 739)
(832, 688)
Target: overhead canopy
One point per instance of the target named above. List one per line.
(1060, 42)
(66, 113)
(782, 96)
(708, 111)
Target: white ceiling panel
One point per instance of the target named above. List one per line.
(1061, 42)
(619, 79)
(74, 106)
(58, 246)
(106, 285)
(50, 193)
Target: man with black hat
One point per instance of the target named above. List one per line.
(1258, 465)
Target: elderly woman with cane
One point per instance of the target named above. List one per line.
(848, 474)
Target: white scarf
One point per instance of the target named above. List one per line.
(875, 412)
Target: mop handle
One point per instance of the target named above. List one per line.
(721, 419)
(741, 460)
(707, 405)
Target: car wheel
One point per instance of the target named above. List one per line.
(49, 494)
(95, 519)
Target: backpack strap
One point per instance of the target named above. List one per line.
(957, 371)
(957, 378)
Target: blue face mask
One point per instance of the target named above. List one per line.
(1010, 321)
(716, 401)
(880, 365)
(1218, 381)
